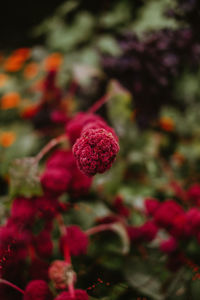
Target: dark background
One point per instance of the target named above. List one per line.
(17, 18)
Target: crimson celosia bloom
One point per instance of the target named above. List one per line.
(76, 125)
(169, 246)
(120, 207)
(95, 151)
(79, 295)
(75, 239)
(193, 194)
(23, 211)
(134, 233)
(43, 244)
(149, 231)
(79, 183)
(166, 213)
(151, 206)
(60, 159)
(55, 180)
(37, 290)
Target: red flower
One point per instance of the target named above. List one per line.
(149, 231)
(169, 246)
(119, 206)
(151, 206)
(79, 183)
(43, 244)
(23, 211)
(95, 151)
(75, 239)
(193, 193)
(60, 159)
(37, 290)
(166, 213)
(75, 126)
(55, 180)
(134, 233)
(79, 295)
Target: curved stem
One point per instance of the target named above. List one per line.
(99, 103)
(49, 146)
(99, 228)
(12, 285)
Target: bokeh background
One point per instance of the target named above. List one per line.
(61, 57)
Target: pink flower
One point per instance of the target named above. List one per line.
(169, 246)
(95, 151)
(79, 295)
(75, 239)
(61, 273)
(37, 290)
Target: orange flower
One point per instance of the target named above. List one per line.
(16, 60)
(10, 100)
(167, 124)
(29, 111)
(53, 61)
(7, 138)
(3, 79)
(31, 70)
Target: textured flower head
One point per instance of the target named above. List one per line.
(79, 295)
(95, 151)
(62, 274)
(37, 290)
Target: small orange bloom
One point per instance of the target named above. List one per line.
(3, 79)
(16, 60)
(10, 100)
(31, 70)
(29, 111)
(167, 124)
(53, 61)
(7, 138)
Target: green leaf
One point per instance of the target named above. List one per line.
(24, 178)
(139, 277)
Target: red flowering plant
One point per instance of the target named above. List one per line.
(94, 206)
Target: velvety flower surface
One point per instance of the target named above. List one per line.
(37, 290)
(79, 295)
(95, 151)
(75, 239)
